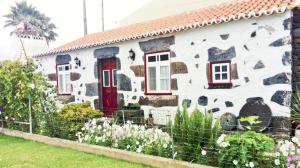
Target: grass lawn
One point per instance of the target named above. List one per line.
(20, 153)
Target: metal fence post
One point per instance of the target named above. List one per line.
(30, 116)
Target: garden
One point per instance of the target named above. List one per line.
(26, 97)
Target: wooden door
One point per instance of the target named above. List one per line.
(109, 86)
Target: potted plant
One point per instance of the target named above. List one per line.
(295, 113)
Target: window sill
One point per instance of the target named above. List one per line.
(219, 85)
(157, 94)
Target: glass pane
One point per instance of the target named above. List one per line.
(152, 78)
(164, 57)
(60, 84)
(152, 59)
(217, 68)
(164, 72)
(217, 76)
(105, 78)
(115, 77)
(60, 68)
(224, 68)
(164, 84)
(224, 76)
(68, 83)
(66, 68)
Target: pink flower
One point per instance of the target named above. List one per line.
(289, 159)
(295, 158)
(292, 166)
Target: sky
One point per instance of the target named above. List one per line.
(67, 15)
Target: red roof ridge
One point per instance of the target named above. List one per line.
(215, 14)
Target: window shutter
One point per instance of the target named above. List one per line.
(208, 72)
(234, 71)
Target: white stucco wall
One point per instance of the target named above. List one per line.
(268, 29)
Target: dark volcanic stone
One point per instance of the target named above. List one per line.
(75, 76)
(62, 59)
(134, 97)
(216, 54)
(52, 77)
(281, 42)
(138, 70)
(224, 36)
(228, 122)
(259, 65)
(106, 52)
(91, 89)
(124, 82)
(282, 97)
(203, 101)
(214, 110)
(228, 104)
(174, 85)
(159, 101)
(246, 47)
(197, 56)
(155, 45)
(287, 58)
(287, 24)
(255, 99)
(282, 78)
(253, 34)
(281, 124)
(246, 79)
(187, 102)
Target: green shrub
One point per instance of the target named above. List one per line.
(193, 134)
(71, 118)
(241, 149)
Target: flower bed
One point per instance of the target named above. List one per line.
(127, 137)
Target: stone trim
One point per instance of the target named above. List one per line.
(153, 161)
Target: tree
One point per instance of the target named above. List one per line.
(28, 21)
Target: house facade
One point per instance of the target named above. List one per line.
(234, 60)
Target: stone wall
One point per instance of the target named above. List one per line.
(295, 50)
(259, 50)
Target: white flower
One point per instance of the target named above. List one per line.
(277, 162)
(295, 140)
(247, 165)
(139, 149)
(165, 146)
(128, 146)
(137, 142)
(31, 86)
(224, 144)
(251, 164)
(116, 145)
(277, 154)
(203, 152)
(6, 118)
(235, 162)
(221, 139)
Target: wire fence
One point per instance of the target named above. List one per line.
(183, 143)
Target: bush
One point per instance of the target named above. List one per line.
(195, 136)
(242, 149)
(71, 118)
(127, 137)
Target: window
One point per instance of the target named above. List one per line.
(158, 73)
(64, 79)
(114, 75)
(105, 78)
(220, 73)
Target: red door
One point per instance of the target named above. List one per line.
(109, 86)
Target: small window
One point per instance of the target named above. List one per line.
(221, 73)
(105, 77)
(64, 79)
(158, 73)
(114, 77)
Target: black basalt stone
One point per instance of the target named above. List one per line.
(124, 82)
(203, 101)
(216, 54)
(255, 99)
(91, 89)
(282, 97)
(287, 24)
(282, 78)
(287, 58)
(159, 44)
(62, 59)
(247, 79)
(106, 52)
(214, 110)
(259, 65)
(253, 34)
(187, 102)
(281, 42)
(228, 104)
(224, 36)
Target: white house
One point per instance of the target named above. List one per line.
(233, 59)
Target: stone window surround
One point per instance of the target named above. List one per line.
(211, 81)
(57, 76)
(145, 71)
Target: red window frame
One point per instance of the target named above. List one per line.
(211, 75)
(145, 74)
(57, 91)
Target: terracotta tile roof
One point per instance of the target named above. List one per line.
(198, 18)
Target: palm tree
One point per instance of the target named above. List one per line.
(28, 21)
